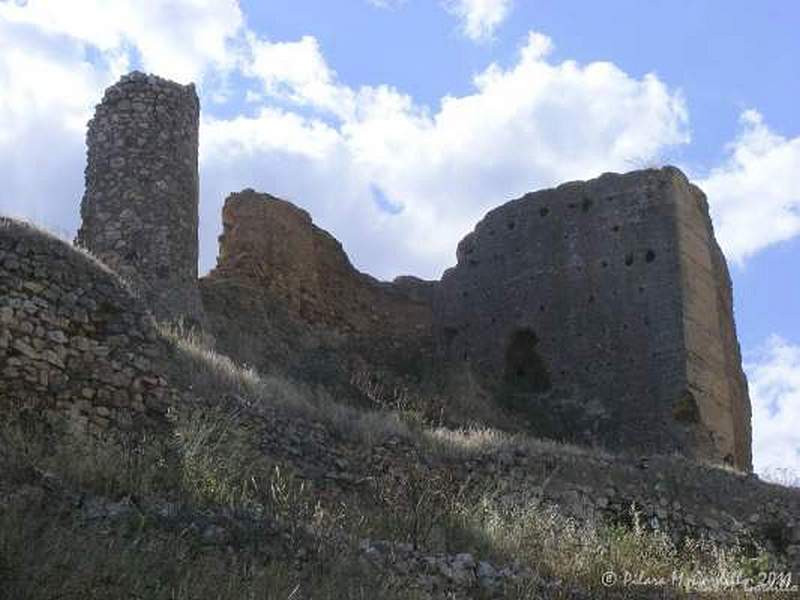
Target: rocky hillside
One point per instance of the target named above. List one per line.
(137, 462)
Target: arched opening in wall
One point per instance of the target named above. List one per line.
(525, 371)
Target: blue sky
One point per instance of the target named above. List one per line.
(398, 124)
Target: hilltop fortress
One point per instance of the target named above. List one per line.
(597, 312)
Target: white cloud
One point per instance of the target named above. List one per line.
(479, 18)
(47, 88)
(388, 4)
(179, 39)
(56, 58)
(297, 71)
(534, 124)
(755, 194)
(774, 376)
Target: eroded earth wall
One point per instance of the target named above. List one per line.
(284, 295)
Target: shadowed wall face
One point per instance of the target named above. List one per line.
(140, 209)
(586, 307)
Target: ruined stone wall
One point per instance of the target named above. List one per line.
(275, 245)
(285, 297)
(587, 307)
(140, 208)
(74, 342)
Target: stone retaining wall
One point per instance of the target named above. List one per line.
(73, 340)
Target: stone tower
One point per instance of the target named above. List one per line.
(603, 310)
(140, 208)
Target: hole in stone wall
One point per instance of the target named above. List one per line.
(685, 410)
(650, 256)
(542, 308)
(473, 262)
(604, 264)
(586, 204)
(544, 211)
(524, 368)
(511, 225)
(450, 334)
(591, 299)
(615, 228)
(629, 259)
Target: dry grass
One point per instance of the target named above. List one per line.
(213, 375)
(211, 464)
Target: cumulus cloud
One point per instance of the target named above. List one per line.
(56, 58)
(179, 39)
(479, 18)
(755, 194)
(533, 124)
(297, 71)
(46, 90)
(774, 375)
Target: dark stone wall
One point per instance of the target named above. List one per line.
(579, 307)
(140, 208)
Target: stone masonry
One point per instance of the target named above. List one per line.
(603, 310)
(75, 344)
(140, 208)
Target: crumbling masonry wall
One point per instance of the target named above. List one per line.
(75, 345)
(602, 309)
(140, 208)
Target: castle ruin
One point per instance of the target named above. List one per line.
(603, 309)
(140, 208)
(600, 311)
